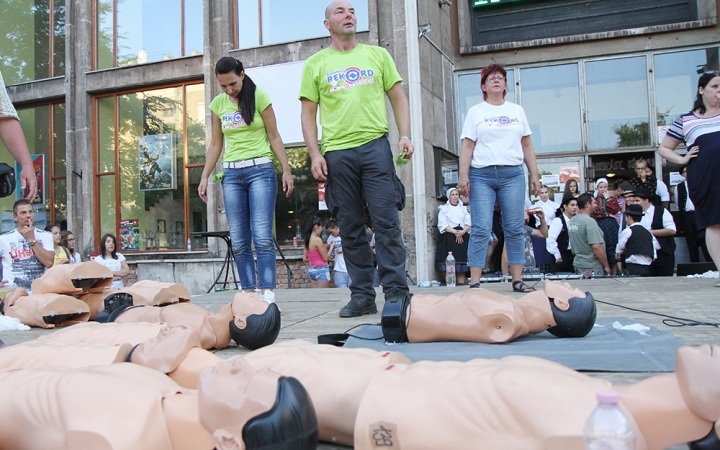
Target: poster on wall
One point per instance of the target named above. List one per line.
(39, 166)
(551, 181)
(321, 197)
(129, 235)
(676, 178)
(156, 162)
(569, 173)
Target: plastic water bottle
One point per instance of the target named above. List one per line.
(450, 270)
(608, 428)
(189, 245)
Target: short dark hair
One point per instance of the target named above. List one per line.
(330, 224)
(22, 201)
(584, 199)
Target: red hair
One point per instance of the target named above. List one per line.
(489, 70)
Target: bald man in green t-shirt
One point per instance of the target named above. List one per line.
(349, 82)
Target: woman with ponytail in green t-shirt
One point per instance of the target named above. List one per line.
(244, 119)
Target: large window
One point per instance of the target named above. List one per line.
(32, 40)
(44, 129)
(617, 103)
(150, 155)
(556, 89)
(139, 31)
(265, 22)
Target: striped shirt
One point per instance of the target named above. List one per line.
(689, 127)
(7, 110)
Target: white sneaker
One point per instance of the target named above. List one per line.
(269, 296)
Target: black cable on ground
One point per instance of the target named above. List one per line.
(671, 321)
(360, 337)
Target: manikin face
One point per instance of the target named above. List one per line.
(56, 235)
(571, 208)
(109, 245)
(231, 83)
(454, 197)
(602, 189)
(544, 194)
(341, 20)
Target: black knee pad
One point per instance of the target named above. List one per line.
(709, 442)
(393, 319)
(577, 321)
(291, 424)
(261, 329)
(115, 304)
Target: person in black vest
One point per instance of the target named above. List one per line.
(695, 238)
(558, 242)
(660, 223)
(636, 244)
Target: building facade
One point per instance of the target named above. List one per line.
(112, 98)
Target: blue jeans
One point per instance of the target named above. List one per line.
(506, 184)
(250, 207)
(319, 273)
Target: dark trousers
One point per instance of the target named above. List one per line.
(638, 269)
(359, 175)
(566, 265)
(695, 240)
(663, 266)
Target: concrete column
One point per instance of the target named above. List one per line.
(218, 41)
(78, 110)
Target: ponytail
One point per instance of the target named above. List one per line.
(246, 100)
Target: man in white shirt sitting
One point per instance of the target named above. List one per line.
(636, 244)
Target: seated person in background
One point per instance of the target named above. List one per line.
(25, 251)
(558, 241)
(67, 240)
(62, 256)
(636, 244)
(110, 258)
(454, 226)
(315, 255)
(586, 239)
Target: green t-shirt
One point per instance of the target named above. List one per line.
(350, 89)
(243, 141)
(584, 231)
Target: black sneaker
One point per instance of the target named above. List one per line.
(359, 306)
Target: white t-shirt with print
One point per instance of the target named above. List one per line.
(114, 265)
(497, 131)
(20, 265)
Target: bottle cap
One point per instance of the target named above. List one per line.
(607, 396)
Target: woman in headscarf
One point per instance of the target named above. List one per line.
(454, 226)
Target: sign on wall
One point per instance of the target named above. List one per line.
(156, 164)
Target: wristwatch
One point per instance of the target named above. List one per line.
(32, 243)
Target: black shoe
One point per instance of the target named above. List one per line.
(359, 306)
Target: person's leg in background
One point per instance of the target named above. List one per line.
(342, 279)
(511, 192)
(712, 239)
(690, 225)
(262, 190)
(482, 205)
(237, 210)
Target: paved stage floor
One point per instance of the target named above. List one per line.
(307, 313)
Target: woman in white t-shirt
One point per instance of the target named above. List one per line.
(113, 260)
(495, 143)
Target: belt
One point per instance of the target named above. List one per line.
(246, 163)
